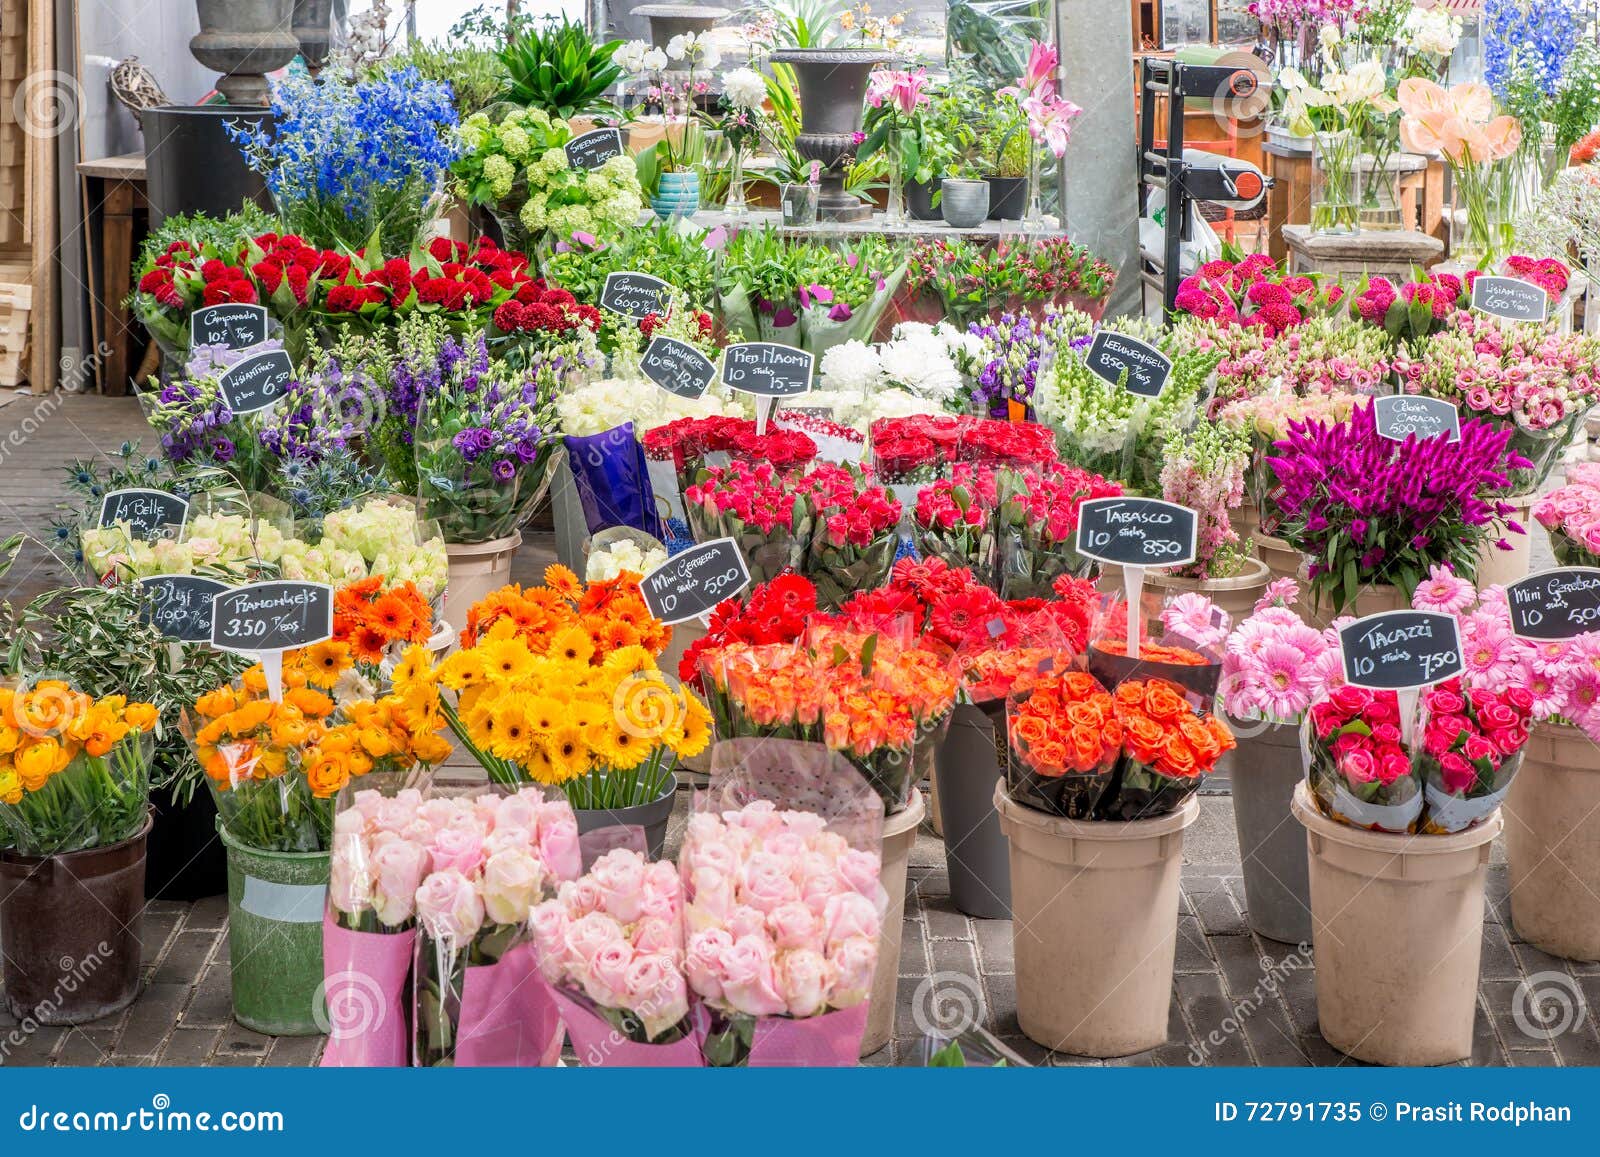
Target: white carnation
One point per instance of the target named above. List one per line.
(851, 366)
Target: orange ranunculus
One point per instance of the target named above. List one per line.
(326, 777)
(309, 701)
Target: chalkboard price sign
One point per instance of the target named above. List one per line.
(1401, 650)
(1142, 532)
(693, 582)
(635, 295)
(257, 382)
(150, 514)
(1111, 354)
(1398, 416)
(272, 616)
(181, 605)
(1510, 298)
(233, 326)
(678, 367)
(594, 149)
(767, 369)
(1556, 604)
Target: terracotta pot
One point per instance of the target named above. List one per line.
(477, 569)
(1397, 930)
(1095, 926)
(899, 834)
(1498, 567)
(1264, 770)
(69, 931)
(1553, 842)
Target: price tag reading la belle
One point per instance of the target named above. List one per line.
(1137, 532)
(150, 514)
(693, 582)
(1401, 650)
(272, 616)
(1555, 604)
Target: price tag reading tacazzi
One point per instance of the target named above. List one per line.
(1555, 604)
(678, 367)
(1397, 416)
(181, 605)
(633, 294)
(767, 369)
(150, 514)
(693, 582)
(1401, 650)
(1137, 532)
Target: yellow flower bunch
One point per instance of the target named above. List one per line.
(390, 734)
(44, 728)
(246, 737)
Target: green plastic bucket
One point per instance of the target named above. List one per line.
(275, 905)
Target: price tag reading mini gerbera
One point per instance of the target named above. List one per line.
(150, 514)
(594, 149)
(633, 294)
(230, 325)
(767, 369)
(678, 367)
(1510, 298)
(1401, 650)
(1555, 604)
(181, 605)
(692, 583)
(1398, 416)
(257, 382)
(1112, 354)
(1137, 532)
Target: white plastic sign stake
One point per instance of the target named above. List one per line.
(268, 618)
(1133, 591)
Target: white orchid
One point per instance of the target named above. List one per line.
(630, 57)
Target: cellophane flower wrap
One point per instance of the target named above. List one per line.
(1036, 526)
(782, 905)
(853, 532)
(75, 770)
(1169, 745)
(1570, 514)
(1275, 664)
(1360, 771)
(1064, 740)
(954, 521)
(611, 945)
(756, 506)
(490, 860)
(689, 445)
(612, 478)
(1180, 641)
(1368, 509)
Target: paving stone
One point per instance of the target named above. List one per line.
(186, 957)
(1240, 960)
(913, 950)
(995, 946)
(945, 922)
(235, 1060)
(1532, 1058)
(212, 1006)
(1192, 953)
(190, 1046)
(131, 1062)
(953, 956)
(1579, 1045)
(1536, 960)
(34, 1048)
(1217, 1031)
(1320, 1053)
(151, 1019)
(300, 1051)
(1000, 1005)
(211, 912)
(155, 929)
(1486, 1046)
(85, 1047)
(1218, 915)
(1499, 961)
(237, 1040)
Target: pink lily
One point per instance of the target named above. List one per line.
(1039, 77)
(1050, 121)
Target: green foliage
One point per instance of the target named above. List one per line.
(559, 69)
(995, 36)
(476, 76)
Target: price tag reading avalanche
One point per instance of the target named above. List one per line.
(767, 369)
(1398, 416)
(1401, 650)
(635, 295)
(257, 382)
(594, 149)
(233, 326)
(181, 605)
(1555, 604)
(678, 367)
(1137, 532)
(1510, 298)
(692, 583)
(150, 514)
(272, 616)
(1111, 354)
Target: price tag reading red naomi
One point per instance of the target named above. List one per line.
(1137, 532)
(690, 584)
(1401, 650)
(272, 616)
(1555, 604)
(767, 369)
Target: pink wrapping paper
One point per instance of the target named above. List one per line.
(509, 1017)
(599, 1045)
(365, 976)
(832, 1040)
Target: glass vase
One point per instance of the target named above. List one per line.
(1336, 183)
(1033, 220)
(737, 207)
(1482, 212)
(894, 205)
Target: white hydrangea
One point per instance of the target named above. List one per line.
(853, 365)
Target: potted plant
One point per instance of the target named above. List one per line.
(1001, 146)
(964, 201)
(896, 129)
(559, 69)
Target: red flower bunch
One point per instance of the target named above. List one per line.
(918, 447)
(1471, 734)
(704, 326)
(847, 512)
(1358, 759)
(687, 440)
(954, 518)
(1163, 733)
(1548, 273)
(753, 492)
(453, 278)
(538, 309)
(1253, 292)
(777, 612)
(277, 261)
(1043, 505)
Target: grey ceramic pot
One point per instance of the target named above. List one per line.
(1264, 770)
(652, 817)
(965, 203)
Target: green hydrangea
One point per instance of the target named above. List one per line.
(514, 140)
(500, 174)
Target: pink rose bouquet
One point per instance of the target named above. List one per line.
(1571, 515)
(1360, 771)
(1325, 355)
(853, 539)
(755, 506)
(1472, 744)
(954, 520)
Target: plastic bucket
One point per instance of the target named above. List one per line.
(976, 852)
(899, 834)
(1553, 842)
(1264, 770)
(477, 569)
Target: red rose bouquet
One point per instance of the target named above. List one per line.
(1169, 747)
(1360, 771)
(1037, 525)
(757, 508)
(1064, 739)
(1472, 741)
(954, 520)
(853, 539)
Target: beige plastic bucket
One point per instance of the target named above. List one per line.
(1282, 559)
(899, 834)
(1095, 926)
(1397, 929)
(1236, 595)
(1504, 567)
(477, 569)
(1553, 842)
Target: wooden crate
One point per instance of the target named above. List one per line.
(16, 303)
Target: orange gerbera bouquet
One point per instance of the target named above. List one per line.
(1169, 747)
(74, 770)
(371, 619)
(612, 613)
(1064, 740)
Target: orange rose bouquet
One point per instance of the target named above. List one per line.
(1064, 739)
(74, 770)
(1180, 640)
(1168, 747)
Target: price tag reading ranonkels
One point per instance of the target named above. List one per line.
(272, 616)
(1510, 298)
(231, 325)
(635, 295)
(767, 369)
(1111, 353)
(1555, 604)
(678, 367)
(1398, 416)
(150, 514)
(181, 605)
(1401, 650)
(692, 583)
(594, 149)
(1137, 532)
(257, 382)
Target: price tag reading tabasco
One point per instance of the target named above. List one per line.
(1137, 532)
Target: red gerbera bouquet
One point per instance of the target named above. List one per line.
(776, 612)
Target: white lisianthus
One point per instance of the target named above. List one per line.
(851, 366)
(1435, 31)
(744, 88)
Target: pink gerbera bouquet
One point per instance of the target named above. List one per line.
(1276, 665)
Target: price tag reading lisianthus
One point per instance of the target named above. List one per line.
(1401, 650)
(1112, 354)
(231, 325)
(692, 583)
(257, 382)
(677, 367)
(633, 294)
(1398, 416)
(767, 369)
(266, 619)
(150, 514)
(1555, 604)
(1137, 532)
(1510, 298)
(181, 605)
(594, 149)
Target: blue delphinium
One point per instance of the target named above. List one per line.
(1525, 41)
(346, 160)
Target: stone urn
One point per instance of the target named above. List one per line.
(833, 85)
(244, 40)
(313, 28)
(669, 20)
